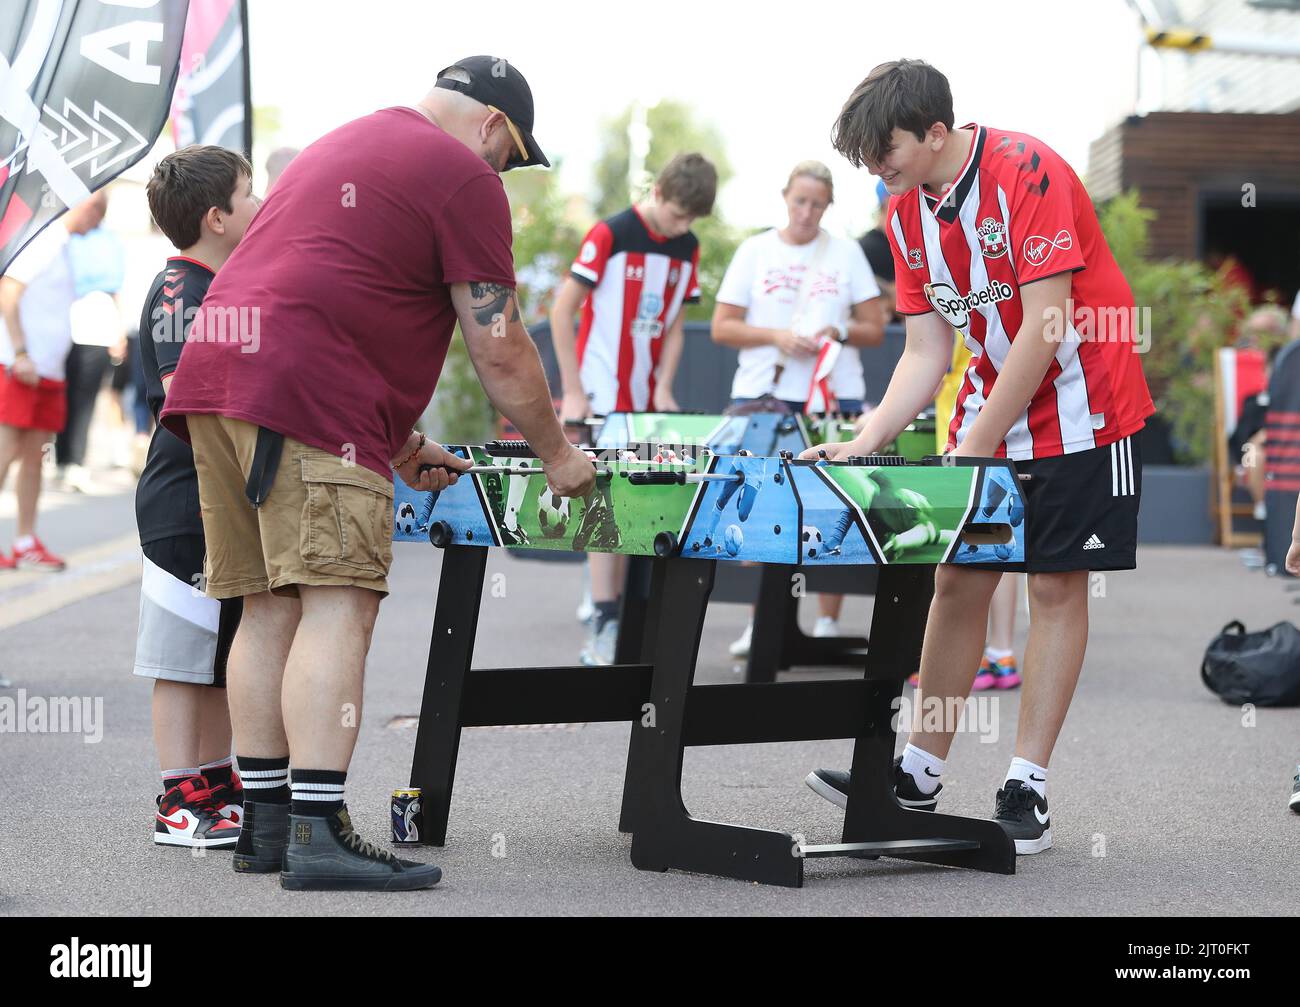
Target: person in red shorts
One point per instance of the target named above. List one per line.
(993, 235)
(36, 295)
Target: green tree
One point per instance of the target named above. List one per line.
(544, 242)
(674, 129)
(1189, 313)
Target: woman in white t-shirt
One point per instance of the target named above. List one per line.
(789, 296)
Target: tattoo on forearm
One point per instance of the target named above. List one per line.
(489, 302)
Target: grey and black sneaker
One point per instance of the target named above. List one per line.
(1294, 803)
(601, 645)
(326, 854)
(833, 784)
(263, 838)
(1023, 816)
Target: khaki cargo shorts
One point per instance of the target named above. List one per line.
(323, 523)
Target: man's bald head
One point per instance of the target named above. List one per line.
(478, 127)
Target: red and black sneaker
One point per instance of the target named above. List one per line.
(229, 800)
(187, 816)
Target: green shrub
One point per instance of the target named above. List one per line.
(1188, 312)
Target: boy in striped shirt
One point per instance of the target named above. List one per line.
(633, 275)
(994, 236)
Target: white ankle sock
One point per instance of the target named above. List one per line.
(1026, 772)
(993, 654)
(24, 542)
(916, 761)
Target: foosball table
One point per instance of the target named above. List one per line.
(778, 641)
(687, 515)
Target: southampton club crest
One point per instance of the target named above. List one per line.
(914, 258)
(993, 238)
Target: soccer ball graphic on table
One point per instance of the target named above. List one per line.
(406, 519)
(552, 514)
(733, 538)
(812, 541)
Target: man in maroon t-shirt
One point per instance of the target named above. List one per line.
(315, 351)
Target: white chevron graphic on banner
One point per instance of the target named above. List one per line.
(66, 138)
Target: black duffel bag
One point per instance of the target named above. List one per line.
(1262, 667)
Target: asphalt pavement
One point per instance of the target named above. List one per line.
(1164, 799)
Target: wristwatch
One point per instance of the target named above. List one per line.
(841, 332)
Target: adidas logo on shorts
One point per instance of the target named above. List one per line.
(1094, 543)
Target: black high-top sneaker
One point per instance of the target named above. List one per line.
(262, 840)
(187, 816)
(833, 784)
(1023, 816)
(326, 854)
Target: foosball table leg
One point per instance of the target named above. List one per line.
(451, 653)
(646, 578)
(665, 835)
(874, 819)
(632, 610)
(774, 613)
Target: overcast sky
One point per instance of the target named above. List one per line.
(770, 76)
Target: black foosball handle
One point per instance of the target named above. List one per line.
(666, 544)
(877, 460)
(656, 478)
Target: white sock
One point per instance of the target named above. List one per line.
(993, 654)
(916, 761)
(1026, 772)
(24, 542)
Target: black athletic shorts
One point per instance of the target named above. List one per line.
(1081, 510)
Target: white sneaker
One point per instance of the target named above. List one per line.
(586, 607)
(599, 652)
(741, 647)
(77, 479)
(826, 626)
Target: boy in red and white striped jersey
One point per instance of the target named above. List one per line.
(994, 236)
(633, 275)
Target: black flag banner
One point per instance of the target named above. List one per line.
(85, 88)
(212, 101)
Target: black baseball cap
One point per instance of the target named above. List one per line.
(496, 82)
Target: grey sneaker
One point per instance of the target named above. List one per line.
(599, 651)
(263, 837)
(1294, 803)
(326, 854)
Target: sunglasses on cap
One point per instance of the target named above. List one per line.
(520, 157)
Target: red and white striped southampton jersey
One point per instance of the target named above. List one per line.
(639, 281)
(1018, 213)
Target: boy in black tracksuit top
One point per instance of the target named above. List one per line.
(201, 198)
